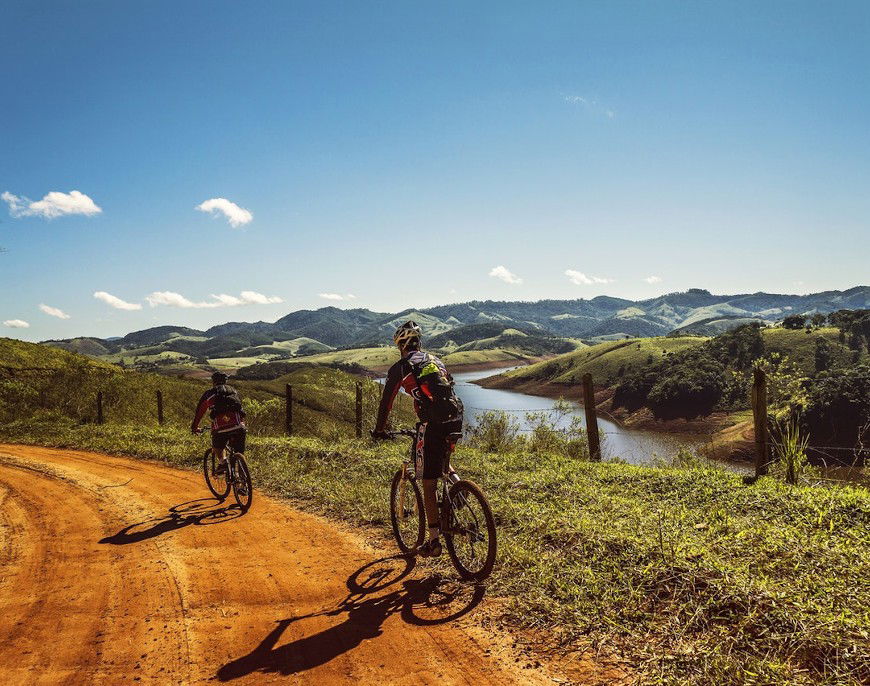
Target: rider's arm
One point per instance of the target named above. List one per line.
(205, 402)
(391, 388)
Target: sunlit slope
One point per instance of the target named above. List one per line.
(607, 362)
(42, 381)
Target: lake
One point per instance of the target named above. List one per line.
(633, 446)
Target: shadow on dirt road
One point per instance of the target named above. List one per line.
(197, 512)
(422, 602)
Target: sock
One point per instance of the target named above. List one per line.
(434, 532)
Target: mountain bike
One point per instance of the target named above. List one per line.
(466, 522)
(236, 476)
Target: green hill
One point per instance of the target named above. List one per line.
(47, 382)
(607, 362)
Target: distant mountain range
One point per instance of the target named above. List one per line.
(602, 318)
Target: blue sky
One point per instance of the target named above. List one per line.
(401, 152)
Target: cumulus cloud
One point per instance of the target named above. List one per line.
(53, 311)
(331, 296)
(503, 273)
(117, 303)
(580, 279)
(53, 204)
(16, 324)
(236, 216)
(653, 279)
(172, 299)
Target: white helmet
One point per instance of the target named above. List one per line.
(406, 333)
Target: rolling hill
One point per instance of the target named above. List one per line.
(528, 328)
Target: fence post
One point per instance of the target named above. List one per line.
(160, 407)
(359, 409)
(591, 418)
(99, 407)
(759, 415)
(288, 419)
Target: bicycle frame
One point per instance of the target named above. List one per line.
(447, 478)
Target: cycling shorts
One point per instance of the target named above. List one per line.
(439, 441)
(236, 439)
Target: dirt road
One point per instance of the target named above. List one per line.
(120, 571)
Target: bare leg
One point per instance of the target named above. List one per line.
(431, 504)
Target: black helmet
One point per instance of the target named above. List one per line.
(406, 333)
(219, 378)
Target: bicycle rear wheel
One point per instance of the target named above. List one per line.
(406, 513)
(243, 490)
(217, 483)
(471, 540)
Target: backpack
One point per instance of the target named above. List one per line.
(226, 399)
(438, 400)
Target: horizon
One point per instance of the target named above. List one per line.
(198, 163)
(351, 307)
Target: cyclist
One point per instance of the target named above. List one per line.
(227, 418)
(425, 378)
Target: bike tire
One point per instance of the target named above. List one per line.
(407, 538)
(475, 523)
(243, 489)
(218, 485)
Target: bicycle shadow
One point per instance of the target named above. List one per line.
(422, 602)
(199, 512)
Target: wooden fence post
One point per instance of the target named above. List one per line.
(591, 418)
(160, 407)
(359, 409)
(759, 415)
(288, 419)
(99, 407)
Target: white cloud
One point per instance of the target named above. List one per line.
(653, 279)
(331, 296)
(16, 324)
(580, 279)
(351, 296)
(237, 216)
(503, 273)
(590, 104)
(117, 303)
(53, 204)
(54, 312)
(172, 299)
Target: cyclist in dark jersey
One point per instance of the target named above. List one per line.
(227, 418)
(425, 378)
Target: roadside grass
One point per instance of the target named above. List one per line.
(693, 576)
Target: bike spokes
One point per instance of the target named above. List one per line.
(471, 537)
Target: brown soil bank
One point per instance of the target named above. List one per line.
(121, 571)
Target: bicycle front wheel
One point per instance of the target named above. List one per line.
(471, 540)
(406, 513)
(217, 483)
(243, 490)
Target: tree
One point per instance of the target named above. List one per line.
(823, 354)
(838, 409)
(818, 319)
(794, 321)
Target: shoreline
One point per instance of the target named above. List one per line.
(731, 435)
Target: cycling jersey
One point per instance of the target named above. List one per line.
(225, 420)
(401, 376)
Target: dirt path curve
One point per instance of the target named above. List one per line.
(119, 571)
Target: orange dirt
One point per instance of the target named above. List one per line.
(120, 571)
